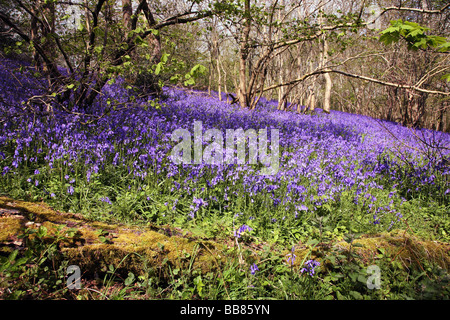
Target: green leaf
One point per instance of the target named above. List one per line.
(414, 34)
(189, 82)
(445, 47)
(158, 68)
(98, 49)
(362, 279)
(446, 77)
(312, 242)
(130, 279)
(70, 86)
(42, 232)
(165, 57)
(356, 295)
(174, 79)
(198, 70)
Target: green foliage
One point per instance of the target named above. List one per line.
(194, 73)
(38, 272)
(415, 36)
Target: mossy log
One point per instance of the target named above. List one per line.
(97, 245)
(402, 246)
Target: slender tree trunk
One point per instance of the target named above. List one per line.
(219, 76)
(312, 103)
(225, 81)
(127, 12)
(155, 43)
(328, 83)
(48, 27)
(210, 76)
(243, 56)
(34, 37)
(216, 54)
(327, 94)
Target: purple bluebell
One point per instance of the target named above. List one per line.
(310, 267)
(241, 230)
(253, 269)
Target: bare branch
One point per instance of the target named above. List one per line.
(27, 39)
(439, 11)
(400, 8)
(385, 83)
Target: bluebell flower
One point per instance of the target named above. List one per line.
(310, 267)
(375, 219)
(106, 199)
(70, 190)
(291, 257)
(199, 202)
(241, 230)
(253, 268)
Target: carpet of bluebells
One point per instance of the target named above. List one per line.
(339, 172)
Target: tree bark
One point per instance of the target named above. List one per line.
(243, 56)
(328, 83)
(323, 63)
(127, 12)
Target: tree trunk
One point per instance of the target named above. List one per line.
(243, 56)
(225, 82)
(219, 74)
(48, 10)
(127, 11)
(216, 53)
(312, 104)
(210, 76)
(34, 37)
(328, 83)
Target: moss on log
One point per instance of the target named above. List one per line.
(94, 246)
